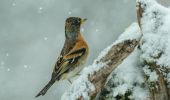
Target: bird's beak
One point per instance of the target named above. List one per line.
(83, 20)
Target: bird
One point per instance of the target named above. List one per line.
(72, 56)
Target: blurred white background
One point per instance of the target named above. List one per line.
(32, 35)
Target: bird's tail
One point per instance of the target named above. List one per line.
(45, 89)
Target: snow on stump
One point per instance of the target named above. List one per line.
(147, 74)
(155, 47)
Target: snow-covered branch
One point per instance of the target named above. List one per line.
(123, 71)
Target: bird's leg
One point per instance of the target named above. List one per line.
(69, 81)
(78, 74)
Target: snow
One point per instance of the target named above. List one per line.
(2, 63)
(40, 9)
(153, 77)
(82, 29)
(79, 88)
(13, 4)
(69, 12)
(8, 69)
(45, 38)
(132, 32)
(127, 77)
(25, 66)
(140, 94)
(156, 38)
(97, 30)
(7, 54)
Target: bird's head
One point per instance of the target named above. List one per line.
(72, 26)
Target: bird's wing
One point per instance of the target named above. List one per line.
(65, 62)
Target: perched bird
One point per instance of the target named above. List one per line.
(73, 55)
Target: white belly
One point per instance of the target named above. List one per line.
(72, 73)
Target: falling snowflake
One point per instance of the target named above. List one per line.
(45, 38)
(97, 30)
(69, 12)
(13, 4)
(7, 54)
(2, 63)
(8, 69)
(40, 9)
(82, 29)
(25, 66)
